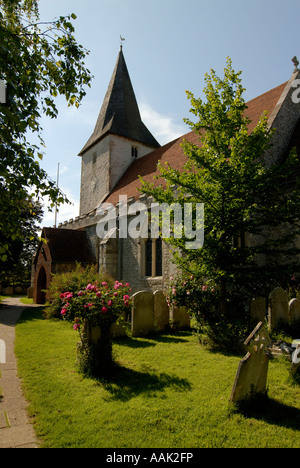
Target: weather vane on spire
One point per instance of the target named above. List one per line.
(295, 62)
(122, 40)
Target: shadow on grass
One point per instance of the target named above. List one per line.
(126, 383)
(10, 315)
(152, 340)
(271, 411)
(31, 314)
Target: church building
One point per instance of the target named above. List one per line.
(118, 152)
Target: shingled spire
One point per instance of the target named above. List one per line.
(119, 113)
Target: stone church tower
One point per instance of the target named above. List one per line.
(118, 139)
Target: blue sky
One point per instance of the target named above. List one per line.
(169, 46)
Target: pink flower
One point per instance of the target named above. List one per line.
(127, 285)
(81, 293)
(204, 288)
(104, 310)
(126, 303)
(109, 303)
(126, 297)
(98, 294)
(63, 311)
(115, 294)
(104, 283)
(76, 326)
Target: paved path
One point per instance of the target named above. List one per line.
(16, 431)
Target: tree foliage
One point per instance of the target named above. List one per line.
(16, 269)
(252, 207)
(38, 62)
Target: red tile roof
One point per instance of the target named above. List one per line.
(264, 102)
(173, 153)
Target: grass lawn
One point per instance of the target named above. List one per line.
(170, 392)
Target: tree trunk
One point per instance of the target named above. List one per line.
(95, 349)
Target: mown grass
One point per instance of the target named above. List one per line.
(169, 392)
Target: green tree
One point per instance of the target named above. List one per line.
(16, 269)
(252, 208)
(38, 62)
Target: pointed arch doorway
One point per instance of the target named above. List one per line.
(41, 286)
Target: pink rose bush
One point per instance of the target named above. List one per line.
(98, 301)
(201, 297)
(221, 327)
(97, 306)
(189, 290)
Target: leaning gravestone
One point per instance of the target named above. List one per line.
(142, 316)
(161, 311)
(294, 310)
(278, 308)
(251, 376)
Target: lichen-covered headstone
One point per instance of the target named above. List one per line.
(278, 308)
(161, 311)
(251, 376)
(294, 310)
(180, 318)
(142, 315)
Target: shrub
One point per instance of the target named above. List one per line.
(72, 281)
(224, 329)
(94, 309)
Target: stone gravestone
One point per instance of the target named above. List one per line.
(258, 309)
(161, 311)
(118, 329)
(278, 308)
(142, 315)
(251, 376)
(294, 310)
(180, 318)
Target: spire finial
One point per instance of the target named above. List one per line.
(122, 39)
(295, 62)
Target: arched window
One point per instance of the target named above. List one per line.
(153, 257)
